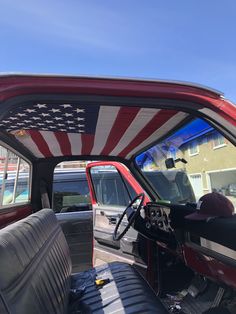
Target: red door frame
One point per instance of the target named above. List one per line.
(123, 170)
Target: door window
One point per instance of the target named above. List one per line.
(110, 187)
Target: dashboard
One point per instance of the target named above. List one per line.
(157, 217)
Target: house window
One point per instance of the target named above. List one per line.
(218, 141)
(193, 149)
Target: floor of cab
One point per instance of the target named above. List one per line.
(184, 292)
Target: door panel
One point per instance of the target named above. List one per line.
(12, 214)
(105, 221)
(112, 187)
(112, 197)
(78, 230)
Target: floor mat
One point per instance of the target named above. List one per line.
(183, 302)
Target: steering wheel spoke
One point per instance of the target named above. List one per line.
(131, 214)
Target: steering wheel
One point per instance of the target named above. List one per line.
(131, 213)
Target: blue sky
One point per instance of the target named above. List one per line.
(173, 39)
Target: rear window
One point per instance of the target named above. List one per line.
(70, 188)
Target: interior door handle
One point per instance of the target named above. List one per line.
(112, 220)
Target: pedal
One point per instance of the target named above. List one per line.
(218, 297)
(198, 285)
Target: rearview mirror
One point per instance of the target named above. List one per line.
(170, 163)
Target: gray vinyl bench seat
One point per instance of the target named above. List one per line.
(35, 275)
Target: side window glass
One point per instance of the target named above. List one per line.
(70, 188)
(9, 192)
(14, 178)
(110, 187)
(23, 182)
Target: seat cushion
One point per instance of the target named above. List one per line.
(35, 266)
(127, 291)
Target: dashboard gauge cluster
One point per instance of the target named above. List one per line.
(157, 216)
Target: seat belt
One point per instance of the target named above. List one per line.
(44, 195)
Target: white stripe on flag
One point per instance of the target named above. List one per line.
(106, 118)
(52, 142)
(27, 141)
(140, 121)
(210, 113)
(76, 143)
(168, 126)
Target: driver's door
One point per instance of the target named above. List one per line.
(112, 187)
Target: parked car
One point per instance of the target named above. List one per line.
(47, 258)
(70, 191)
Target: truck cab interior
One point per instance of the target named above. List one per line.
(159, 193)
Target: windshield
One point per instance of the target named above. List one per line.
(193, 161)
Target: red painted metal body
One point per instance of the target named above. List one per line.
(210, 267)
(10, 215)
(15, 86)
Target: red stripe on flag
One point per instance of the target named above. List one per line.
(157, 121)
(87, 143)
(123, 120)
(40, 143)
(64, 143)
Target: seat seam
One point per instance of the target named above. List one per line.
(27, 271)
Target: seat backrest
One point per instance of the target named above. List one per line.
(35, 266)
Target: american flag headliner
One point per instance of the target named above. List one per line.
(67, 129)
